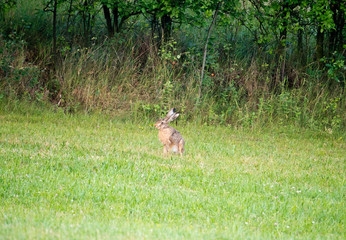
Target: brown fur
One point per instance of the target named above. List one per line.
(169, 136)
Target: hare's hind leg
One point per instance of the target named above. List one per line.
(181, 148)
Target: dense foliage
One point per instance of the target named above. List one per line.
(243, 62)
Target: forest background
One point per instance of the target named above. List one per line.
(245, 63)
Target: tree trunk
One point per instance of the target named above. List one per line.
(54, 30)
(154, 30)
(282, 43)
(333, 34)
(319, 45)
(336, 39)
(69, 17)
(282, 52)
(107, 14)
(300, 50)
(88, 30)
(340, 28)
(285, 8)
(205, 51)
(88, 19)
(115, 12)
(166, 26)
(68, 24)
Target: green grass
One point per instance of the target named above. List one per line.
(92, 176)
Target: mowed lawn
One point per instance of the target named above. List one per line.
(93, 176)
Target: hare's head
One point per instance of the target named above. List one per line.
(171, 116)
(160, 123)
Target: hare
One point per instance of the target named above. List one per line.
(169, 136)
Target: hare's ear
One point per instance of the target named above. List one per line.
(173, 117)
(170, 114)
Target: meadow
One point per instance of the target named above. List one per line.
(94, 176)
(260, 86)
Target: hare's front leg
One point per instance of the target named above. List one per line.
(165, 149)
(166, 145)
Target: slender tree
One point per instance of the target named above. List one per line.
(206, 49)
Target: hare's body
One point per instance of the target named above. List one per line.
(171, 140)
(169, 136)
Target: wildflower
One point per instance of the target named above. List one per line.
(246, 223)
(299, 191)
(313, 222)
(288, 226)
(275, 224)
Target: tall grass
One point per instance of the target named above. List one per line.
(129, 75)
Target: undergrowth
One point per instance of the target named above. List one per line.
(129, 75)
(112, 79)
